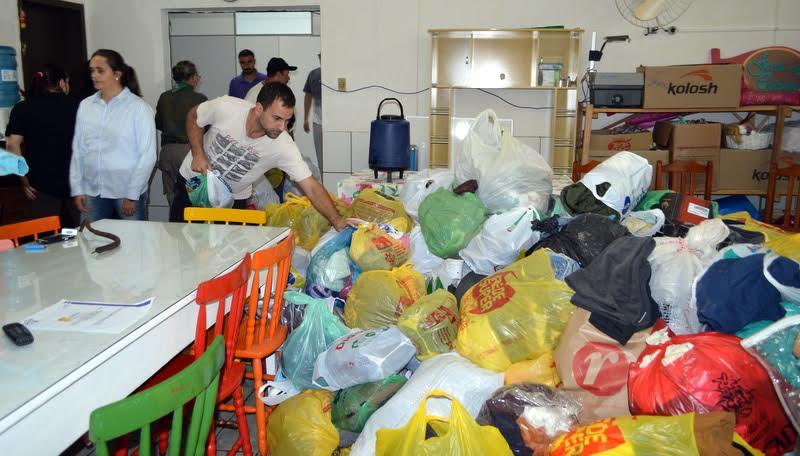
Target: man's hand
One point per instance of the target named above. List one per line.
(306, 126)
(128, 207)
(342, 223)
(30, 192)
(200, 164)
(80, 203)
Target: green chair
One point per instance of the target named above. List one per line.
(198, 382)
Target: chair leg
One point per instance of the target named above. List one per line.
(241, 423)
(261, 419)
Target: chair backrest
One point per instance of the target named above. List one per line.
(791, 219)
(579, 170)
(274, 264)
(212, 215)
(233, 285)
(682, 176)
(199, 382)
(16, 231)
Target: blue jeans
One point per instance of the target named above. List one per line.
(110, 208)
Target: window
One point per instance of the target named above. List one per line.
(274, 23)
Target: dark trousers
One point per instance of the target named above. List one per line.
(62, 206)
(181, 201)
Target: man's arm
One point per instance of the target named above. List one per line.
(322, 202)
(307, 105)
(14, 145)
(194, 132)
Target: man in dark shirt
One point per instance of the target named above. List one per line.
(240, 85)
(171, 110)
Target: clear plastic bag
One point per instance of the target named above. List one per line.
(319, 329)
(353, 406)
(362, 357)
(450, 221)
(539, 407)
(421, 258)
(330, 268)
(379, 246)
(422, 184)
(263, 194)
(219, 192)
(775, 347)
(431, 323)
(378, 298)
(501, 240)
(674, 269)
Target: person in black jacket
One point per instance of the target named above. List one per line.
(40, 128)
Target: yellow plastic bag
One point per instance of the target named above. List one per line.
(458, 435)
(302, 426)
(379, 247)
(373, 206)
(431, 323)
(378, 298)
(288, 212)
(681, 435)
(515, 314)
(540, 370)
(311, 224)
(781, 242)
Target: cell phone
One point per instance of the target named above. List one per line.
(53, 238)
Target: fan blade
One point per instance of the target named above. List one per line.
(649, 9)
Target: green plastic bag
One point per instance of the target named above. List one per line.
(197, 188)
(319, 329)
(353, 406)
(450, 221)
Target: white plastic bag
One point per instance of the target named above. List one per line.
(418, 186)
(363, 357)
(422, 259)
(501, 239)
(263, 194)
(629, 176)
(702, 239)
(674, 268)
(482, 143)
(450, 372)
(644, 223)
(787, 292)
(219, 192)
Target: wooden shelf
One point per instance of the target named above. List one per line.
(759, 108)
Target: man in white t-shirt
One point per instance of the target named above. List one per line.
(244, 141)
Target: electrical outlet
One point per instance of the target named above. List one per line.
(342, 84)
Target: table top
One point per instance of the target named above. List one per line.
(162, 260)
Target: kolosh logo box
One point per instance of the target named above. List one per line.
(693, 86)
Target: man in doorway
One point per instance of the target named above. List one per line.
(277, 71)
(242, 155)
(171, 110)
(239, 85)
(313, 92)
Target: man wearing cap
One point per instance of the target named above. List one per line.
(277, 71)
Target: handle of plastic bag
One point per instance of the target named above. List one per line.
(273, 393)
(295, 297)
(486, 123)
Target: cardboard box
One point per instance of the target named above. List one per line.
(743, 170)
(693, 86)
(652, 157)
(700, 155)
(668, 134)
(604, 141)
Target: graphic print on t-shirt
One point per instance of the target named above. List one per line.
(230, 158)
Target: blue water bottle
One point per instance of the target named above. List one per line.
(412, 157)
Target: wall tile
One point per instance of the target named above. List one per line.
(336, 150)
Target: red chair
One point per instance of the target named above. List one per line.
(579, 170)
(216, 291)
(790, 221)
(16, 231)
(262, 333)
(682, 174)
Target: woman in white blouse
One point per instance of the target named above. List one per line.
(114, 147)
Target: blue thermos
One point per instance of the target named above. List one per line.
(389, 140)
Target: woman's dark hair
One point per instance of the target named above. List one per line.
(117, 63)
(183, 70)
(46, 79)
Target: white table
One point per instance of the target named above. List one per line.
(49, 388)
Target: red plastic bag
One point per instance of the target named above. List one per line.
(710, 372)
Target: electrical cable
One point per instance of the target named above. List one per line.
(543, 108)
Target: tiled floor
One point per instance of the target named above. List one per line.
(225, 437)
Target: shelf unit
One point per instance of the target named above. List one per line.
(588, 112)
(507, 59)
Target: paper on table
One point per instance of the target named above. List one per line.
(88, 316)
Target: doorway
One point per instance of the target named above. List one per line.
(53, 31)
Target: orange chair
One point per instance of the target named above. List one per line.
(682, 176)
(35, 227)
(791, 221)
(216, 291)
(579, 170)
(262, 333)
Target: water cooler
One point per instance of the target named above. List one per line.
(9, 89)
(389, 140)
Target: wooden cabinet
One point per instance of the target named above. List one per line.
(541, 59)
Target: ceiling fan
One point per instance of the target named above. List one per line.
(653, 15)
